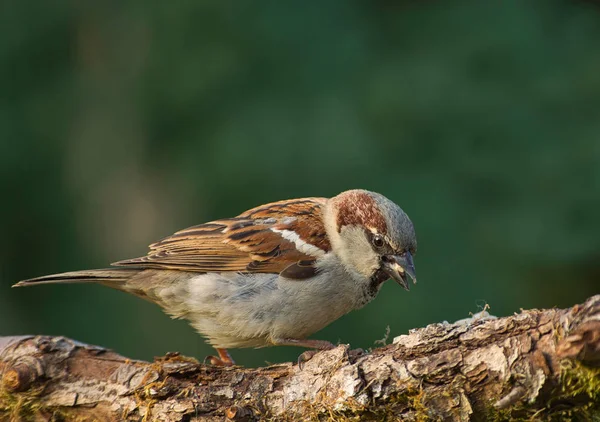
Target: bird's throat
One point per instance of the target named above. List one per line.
(374, 285)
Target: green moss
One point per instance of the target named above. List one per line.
(20, 405)
(577, 398)
(578, 379)
(25, 406)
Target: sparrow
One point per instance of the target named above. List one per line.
(274, 274)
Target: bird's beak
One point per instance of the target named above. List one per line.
(399, 267)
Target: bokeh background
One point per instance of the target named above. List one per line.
(122, 122)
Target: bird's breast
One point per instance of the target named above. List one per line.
(249, 310)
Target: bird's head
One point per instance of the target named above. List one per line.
(372, 236)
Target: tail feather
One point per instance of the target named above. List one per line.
(109, 276)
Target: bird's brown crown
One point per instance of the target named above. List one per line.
(359, 208)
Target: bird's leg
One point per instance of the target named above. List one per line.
(316, 345)
(224, 358)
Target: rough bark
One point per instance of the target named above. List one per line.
(535, 365)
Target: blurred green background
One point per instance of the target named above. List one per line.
(122, 122)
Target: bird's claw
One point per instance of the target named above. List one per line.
(224, 358)
(216, 361)
(213, 360)
(305, 357)
(308, 355)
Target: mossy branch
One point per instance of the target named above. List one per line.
(536, 365)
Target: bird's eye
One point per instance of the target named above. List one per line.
(378, 241)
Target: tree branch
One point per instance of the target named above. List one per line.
(539, 364)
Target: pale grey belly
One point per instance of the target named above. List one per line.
(253, 310)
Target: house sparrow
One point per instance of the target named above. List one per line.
(274, 274)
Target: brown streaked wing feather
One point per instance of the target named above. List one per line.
(245, 243)
(309, 218)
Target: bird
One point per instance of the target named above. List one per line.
(273, 275)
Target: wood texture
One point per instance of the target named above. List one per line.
(535, 365)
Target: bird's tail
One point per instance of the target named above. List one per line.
(112, 277)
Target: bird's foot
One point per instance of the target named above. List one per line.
(318, 345)
(224, 358)
(305, 357)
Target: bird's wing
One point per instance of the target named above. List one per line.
(282, 237)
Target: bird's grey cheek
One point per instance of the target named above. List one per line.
(356, 251)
